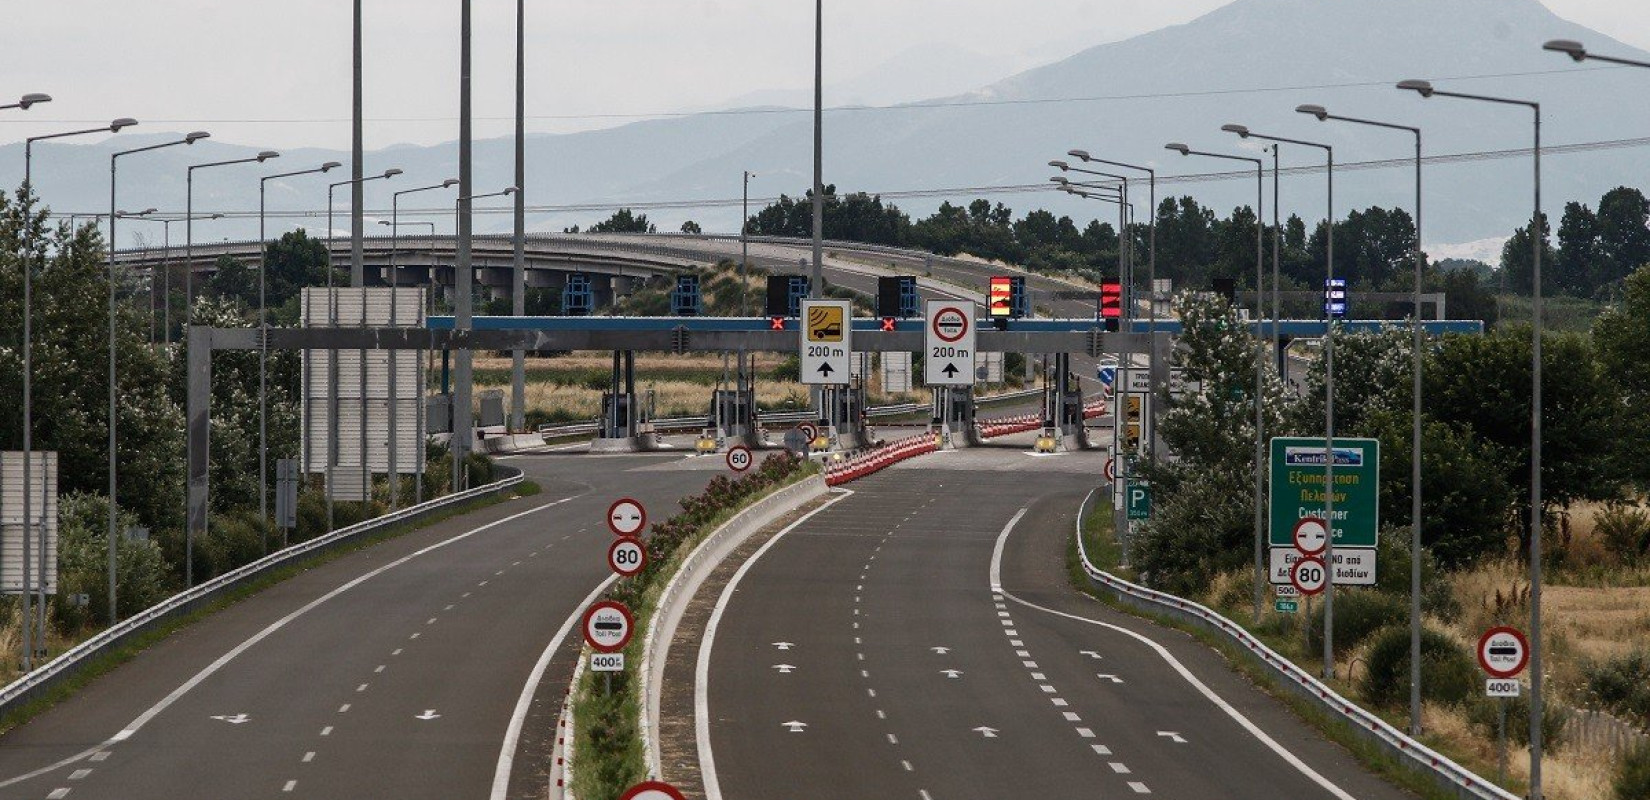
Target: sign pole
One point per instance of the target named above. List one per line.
(1501, 736)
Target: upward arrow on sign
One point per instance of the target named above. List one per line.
(825, 369)
(950, 370)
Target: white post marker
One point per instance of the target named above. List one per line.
(608, 626)
(627, 556)
(948, 344)
(626, 517)
(739, 458)
(826, 341)
(1308, 575)
(652, 790)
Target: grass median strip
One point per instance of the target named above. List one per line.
(608, 705)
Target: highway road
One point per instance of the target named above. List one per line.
(919, 638)
(394, 671)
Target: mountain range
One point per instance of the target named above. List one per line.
(1249, 62)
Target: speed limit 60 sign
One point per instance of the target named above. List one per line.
(739, 458)
(627, 556)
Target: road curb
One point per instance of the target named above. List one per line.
(685, 583)
(1447, 774)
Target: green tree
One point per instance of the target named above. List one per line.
(1622, 335)
(691, 227)
(1575, 267)
(624, 221)
(1518, 259)
(1623, 238)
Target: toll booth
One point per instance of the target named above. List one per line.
(953, 408)
(619, 418)
(732, 412)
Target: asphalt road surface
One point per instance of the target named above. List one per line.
(391, 672)
(919, 639)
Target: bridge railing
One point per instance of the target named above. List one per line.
(73, 661)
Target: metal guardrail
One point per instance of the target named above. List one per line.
(1441, 768)
(72, 661)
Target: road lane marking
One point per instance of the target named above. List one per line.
(308, 757)
(327, 731)
(380, 668)
(1085, 733)
(101, 755)
(996, 577)
(78, 774)
(892, 739)
(1139, 788)
(290, 785)
(701, 676)
(396, 652)
(1059, 702)
(1071, 716)
(217, 664)
(1119, 767)
(1101, 749)
(58, 793)
(906, 765)
(881, 715)
(343, 709)
(361, 688)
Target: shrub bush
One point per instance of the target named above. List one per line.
(1625, 532)
(1621, 685)
(1448, 674)
(1633, 776)
(1358, 613)
(83, 565)
(1483, 712)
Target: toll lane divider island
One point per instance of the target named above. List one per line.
(1413, 754)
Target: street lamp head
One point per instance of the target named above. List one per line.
(1240, 130)
(330, 166)
(1082, 154)
(32, 98)
(123, 122)
(267, 155)
(1568, 47)
(391, 172)
(510, 190)
(384, 222)
(449, 182)
(196, 136)
(1423, 88)
(1059, 165)
(1315, 110)
(1059, 180)
(1178, 148)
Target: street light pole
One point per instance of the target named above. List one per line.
(1415, 429)
(1261, 359)
(1538, 238)
(395, 280)
(1328, 406)
(518, 276)
(28, 369)
(464, 207)
(263, 346)
(114, 439)
(744, 266)
(817, 289)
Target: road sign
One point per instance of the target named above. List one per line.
(1308, 575)
(1502, 687)
(626, 517)
(809, 431)
(1286, 590)
(652, 790)
(1002, 289)
(1283, 606)
(1139, 499)
(1111, 469)
(607, 626)
(627, 556)
(739, 458)
(1354, 566)
(1311, 536)
(1108, 375)
(1503, 652)
(826, 341)
(607, 662)
(796, 441)
(1297, 489)
(948, 344)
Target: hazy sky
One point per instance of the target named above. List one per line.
(277, 73)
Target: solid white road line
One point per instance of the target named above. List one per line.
(176, 694)
(701, 672)
(1162, 652)
(512, 734)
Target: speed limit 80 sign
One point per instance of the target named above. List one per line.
(627, 556)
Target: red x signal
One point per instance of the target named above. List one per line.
(776, 324)
(887, 323)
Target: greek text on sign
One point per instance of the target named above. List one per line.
(1297, 472)
(1503, 652)
(1354, 566)
(607, 626)
(826, 341)
(948, 343)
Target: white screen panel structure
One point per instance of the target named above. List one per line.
(42, 521)
(336, 381)
(896, 372)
